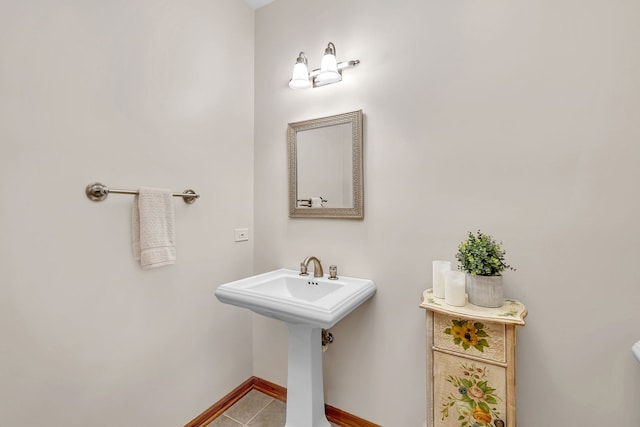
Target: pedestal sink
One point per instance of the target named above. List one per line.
(306, 304)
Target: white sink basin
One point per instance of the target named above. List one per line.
(285, 295)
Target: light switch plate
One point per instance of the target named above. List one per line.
(241, 234)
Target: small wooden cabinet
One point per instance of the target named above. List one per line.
(471, 366)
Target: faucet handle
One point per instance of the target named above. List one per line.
(333, 272)
(303, 269)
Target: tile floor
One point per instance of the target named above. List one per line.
(255, 409)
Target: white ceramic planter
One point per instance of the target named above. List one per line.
(485, 291)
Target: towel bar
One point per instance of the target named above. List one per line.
(98, 192)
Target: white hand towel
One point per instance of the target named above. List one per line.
(152, 228)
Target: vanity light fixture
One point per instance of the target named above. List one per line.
(330, 70)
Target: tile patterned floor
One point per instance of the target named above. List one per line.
(255, 409)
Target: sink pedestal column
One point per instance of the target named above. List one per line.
(305, 390)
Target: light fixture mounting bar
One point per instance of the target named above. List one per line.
(341, 66)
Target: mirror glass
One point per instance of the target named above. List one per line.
(325, 167)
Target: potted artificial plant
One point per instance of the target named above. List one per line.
(482, 258)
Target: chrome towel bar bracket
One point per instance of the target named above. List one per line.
(98, 192)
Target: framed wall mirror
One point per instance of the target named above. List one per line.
(325, 167)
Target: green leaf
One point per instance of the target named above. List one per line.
(447, 331)
(467, 383)
(484, 407)
(482, 334)
(479, 347)
(481, 254)
(490, 399)
(478, 325)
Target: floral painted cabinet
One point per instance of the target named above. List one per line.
(471, 363)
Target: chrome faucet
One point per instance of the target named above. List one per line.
(317, 267)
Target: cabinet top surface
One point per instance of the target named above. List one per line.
(511, 312)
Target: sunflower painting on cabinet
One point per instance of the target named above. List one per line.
(485, 340)
(467, 333)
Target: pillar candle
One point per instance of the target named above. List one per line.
(454, 288)
(439, 269)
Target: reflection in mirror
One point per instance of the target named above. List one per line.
(325, 167)
(318, 148)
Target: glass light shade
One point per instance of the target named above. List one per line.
(300, 79)
(329, 70)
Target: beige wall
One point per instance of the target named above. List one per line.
(127, 93)
(518, 118)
